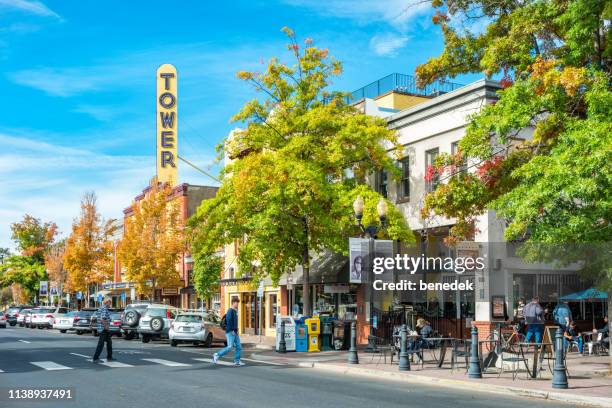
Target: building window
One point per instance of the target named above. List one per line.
(381, 182)
(190, 277)
(430, 158)
(273, 311)
(403, 190)
(454, 150)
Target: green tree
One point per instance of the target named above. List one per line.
(4, 253)
(553, 188)
(206, 274)
(23, 270)
(296, 168)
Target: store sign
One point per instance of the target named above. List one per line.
(167, 124)
(336, 289)
(359, 255)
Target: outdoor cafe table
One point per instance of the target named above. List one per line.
(538, 354)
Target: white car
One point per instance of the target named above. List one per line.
(45, 316)
(196, 328)
(3, 320)
(65, 322)
(22, 315)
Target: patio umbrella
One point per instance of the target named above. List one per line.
(587, 295)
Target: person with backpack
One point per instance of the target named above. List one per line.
(229, 323)
(534, 317)
(562, 315)
(103, 323)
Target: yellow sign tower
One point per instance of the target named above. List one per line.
(167, 124)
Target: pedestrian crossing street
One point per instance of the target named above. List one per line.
(84, 361)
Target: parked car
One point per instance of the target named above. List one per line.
(13, 313)
(3, 320)
(27, 319)
(65, 322)
(80, 322)
(115, 314)
(155, 322)
(43, 317)
(196, 328)
(22, 315)
(130, 319)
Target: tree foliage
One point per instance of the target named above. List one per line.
(206, 274)
(295, 168)
(88, 255)
(153, 239)
(32, 236)
(25, 271)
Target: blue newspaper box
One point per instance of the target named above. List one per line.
(301, 338)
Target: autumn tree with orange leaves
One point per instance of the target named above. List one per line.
(88, 256)
(153, 240)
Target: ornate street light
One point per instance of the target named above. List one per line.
(382, 209)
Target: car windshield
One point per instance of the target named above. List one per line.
(116, 316)
(84, 313)
(139, 308)
(42, 310)
(13, 310)
(155, 311)
(71, 314)
(189, 318)
(26, 311)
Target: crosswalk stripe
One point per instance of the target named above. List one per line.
(24, 341)
(210, 360)
(50, 365)
(80, 355)
(112, 363)
(166, 362)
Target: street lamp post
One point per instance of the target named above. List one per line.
(370, 232)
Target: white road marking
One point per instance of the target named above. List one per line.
(24, 341)
(166, 362)
(1, 371)
(210, 360)
(262, 362)
(112, 363)
(50, 365)
(80, 355)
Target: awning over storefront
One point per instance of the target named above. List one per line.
(591, 294)
(329, 267)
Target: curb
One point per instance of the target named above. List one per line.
(497, 389)
(293, 360)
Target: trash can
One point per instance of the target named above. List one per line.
(314, 330)
(327, 332)
(301, 338)
(289, 332)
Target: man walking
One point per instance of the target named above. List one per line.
(534, 317)
(103, 323)
(231, 334)
(562, 315)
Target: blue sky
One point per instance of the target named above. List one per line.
(78, 80)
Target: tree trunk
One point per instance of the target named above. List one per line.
(306, 283)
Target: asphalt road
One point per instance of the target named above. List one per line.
(157, 375)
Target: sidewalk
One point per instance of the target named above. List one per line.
(257, 342)
(589, 382)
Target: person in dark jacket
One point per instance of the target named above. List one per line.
(231, 334)
(104, 331)
(534, 316)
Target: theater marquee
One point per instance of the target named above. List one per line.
(167, 124)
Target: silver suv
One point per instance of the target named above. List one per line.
(155, 322)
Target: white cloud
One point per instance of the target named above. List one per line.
(388, 44)
(101, 113)
(47, 180)
(29, 6)
(394, 12)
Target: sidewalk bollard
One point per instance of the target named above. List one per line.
(474, 371)
(404, 361)
(353, 358)
(559, 379)
(282, 344)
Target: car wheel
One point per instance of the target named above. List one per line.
(157, 324)
(209, 341)
(129, 335)
(20, 324)
(131, 318)
(79, 332)
(40, 327)
(63, 331)
(12, 324)
(145, 338)
(173, 343)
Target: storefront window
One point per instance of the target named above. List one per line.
(273, 311)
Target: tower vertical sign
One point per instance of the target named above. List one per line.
(167, 124)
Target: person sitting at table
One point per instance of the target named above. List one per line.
(604, 330)
(424, 330)
(573, 336)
